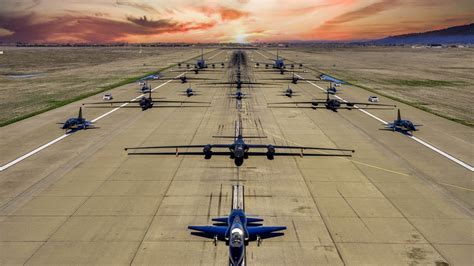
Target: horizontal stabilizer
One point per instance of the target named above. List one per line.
(210, 230)
(220, 219)
(262, 230)
(253, 220)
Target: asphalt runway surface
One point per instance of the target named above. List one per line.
(83, 200)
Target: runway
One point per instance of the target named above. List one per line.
(83, 200)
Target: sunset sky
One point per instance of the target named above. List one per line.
(223, 21)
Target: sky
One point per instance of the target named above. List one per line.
(99, 21)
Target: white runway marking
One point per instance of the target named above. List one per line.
(422, 142)
(33, 152)
(19, 159)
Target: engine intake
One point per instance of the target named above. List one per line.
(270, 152)
(207, 150)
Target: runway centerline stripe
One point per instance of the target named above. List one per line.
(44, 146)
(422, 142)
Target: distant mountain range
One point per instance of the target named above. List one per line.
(457, 34)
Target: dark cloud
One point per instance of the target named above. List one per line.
(139, 6)
(71, 28)
(144, 22)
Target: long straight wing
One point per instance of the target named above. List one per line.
(308, 107)
(298, 154)
(198, 153)
(210, 230)
(301, 102)
(360, 103)
(136, 101)
(179, 146)
(298, 147)
(155, 106)
(244, 83)
(263, 230)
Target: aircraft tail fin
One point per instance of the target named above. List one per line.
(80, 113)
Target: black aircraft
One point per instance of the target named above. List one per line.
(331, 89)
(279, 64)
(190, 92)
(201, 63)
(239, 95)
(332, 104)
(294, 79)
(76, 123)
(402, 125)
(145, 88)
(238, 150)
(184, 78)
(289, 92)
(144, 103)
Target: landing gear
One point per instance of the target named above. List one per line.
(215, 240)
(259, 241)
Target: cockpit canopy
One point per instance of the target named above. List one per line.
(236, 238)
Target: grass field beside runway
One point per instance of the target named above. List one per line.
(35, 80)
(439, 81)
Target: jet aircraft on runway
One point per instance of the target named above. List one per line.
(238, 150)
(238, 229)
(201, 63)
(294, 79)
(144, 103)
(76, 123)
(331, 104)
(278, 63)
(289, 92)
(189, 92)
(184, 78)
(402, 125)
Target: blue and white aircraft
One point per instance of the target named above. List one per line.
(336, 81)
(237, 229)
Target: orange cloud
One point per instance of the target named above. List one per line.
(69, 28)
(225, 13)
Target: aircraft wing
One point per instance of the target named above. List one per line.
(299, 154)
(308, 107)
(263, 230)
(276, 147)
(302, 102)
(156, 106)
(179, 146)
(361, 103)
(218, 231)
(160, 101)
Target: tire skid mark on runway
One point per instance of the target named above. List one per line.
(454, 186)
(422, 142)
(44, 146)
